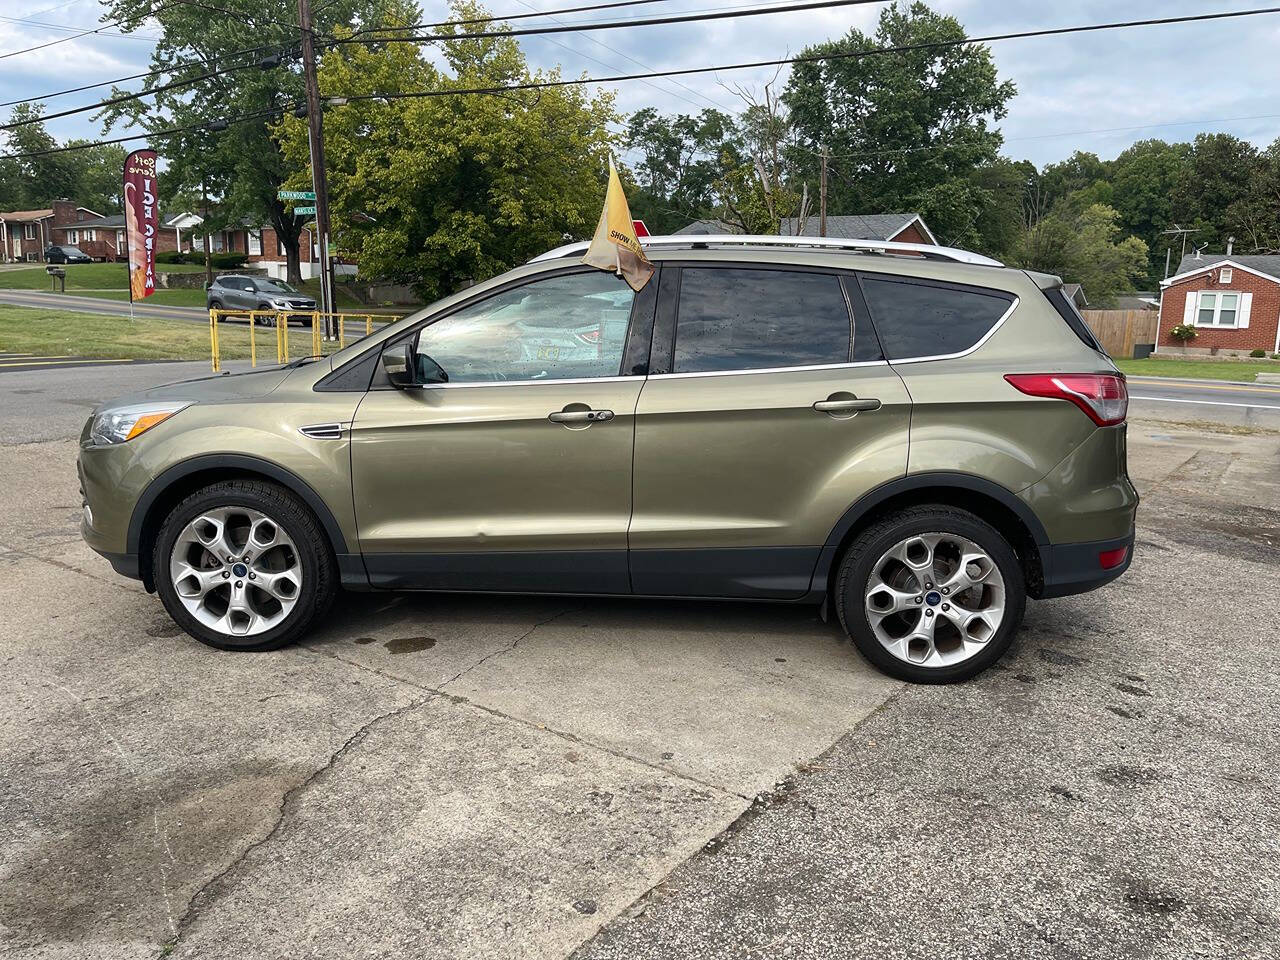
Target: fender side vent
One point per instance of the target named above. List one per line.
(322, 431)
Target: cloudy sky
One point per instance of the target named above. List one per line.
(1094, 91)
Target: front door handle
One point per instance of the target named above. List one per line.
(580, 417)
(846, 405)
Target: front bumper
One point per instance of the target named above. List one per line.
(1071, 568)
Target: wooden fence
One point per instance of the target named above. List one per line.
(1119, 330)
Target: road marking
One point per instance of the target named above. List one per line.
(1211, 385)
(1209, 403)
(54, 362)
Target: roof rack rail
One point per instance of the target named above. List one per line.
(925, 250)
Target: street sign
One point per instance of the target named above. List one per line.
(295, 195)
(301, 210)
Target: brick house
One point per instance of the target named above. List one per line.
(1232, 301)
(24, 234)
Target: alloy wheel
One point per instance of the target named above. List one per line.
(935, 599)
(236, 571)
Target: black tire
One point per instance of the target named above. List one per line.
(856, 568)
(319, 571)
(215, 304)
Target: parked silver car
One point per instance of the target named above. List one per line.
(239, 292)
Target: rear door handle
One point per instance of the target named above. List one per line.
(580, 416)
(853, 405)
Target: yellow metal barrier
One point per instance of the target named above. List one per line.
(280, 320)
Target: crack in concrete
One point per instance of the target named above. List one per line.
(460, 700)
(28, 555)
(208, 890)
(507, 649)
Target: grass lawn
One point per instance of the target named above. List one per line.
(59, 333)
(167, 298)
(84, 276)
(1243, 371)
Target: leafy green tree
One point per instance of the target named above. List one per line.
(241, 167)
(1255, 218)
(681, 166)
(90, 177)
(1084, 247)
(905, 130)
(1143, 181)
(1219, 171)
(438, 191)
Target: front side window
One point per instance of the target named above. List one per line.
(564, 327)
(1217, 309)
(918, 319)
(739, 319)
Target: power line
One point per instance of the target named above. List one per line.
(105, 28)
(235, 53)
(530, 31)
(686, 71)
(614, 24)
(70, 29)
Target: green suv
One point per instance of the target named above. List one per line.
(915, 436)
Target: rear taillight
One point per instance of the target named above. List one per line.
(1110, 559)
(1103, 396)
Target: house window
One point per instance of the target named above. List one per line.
(1224, 275)
(255, 243)
(1217, 309)
(73, 237)
(280, 249)
(28, 231)
(88, 235)
(119, 241)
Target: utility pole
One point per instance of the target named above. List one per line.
(822, 195)
(319, 183)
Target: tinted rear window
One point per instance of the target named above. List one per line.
(1066, 308)
(922, 319)
(737, 319)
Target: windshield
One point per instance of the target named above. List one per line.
(276, 286)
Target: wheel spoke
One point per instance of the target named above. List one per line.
(236, 570)
(970, 596)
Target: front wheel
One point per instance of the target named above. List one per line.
(931, 594)
(243, 565)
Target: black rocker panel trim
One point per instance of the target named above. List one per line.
(532, 571)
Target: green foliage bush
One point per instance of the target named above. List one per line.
(1184, 332)
(1258, 354)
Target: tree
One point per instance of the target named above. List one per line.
(89, 176)
(1219, 170)
(1084, 247)
(240, 167)
(682, 163)
(905, 130)
(1255, 218)
(1143, 180)
(438, 191)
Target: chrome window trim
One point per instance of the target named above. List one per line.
(751, 371)
(964, 353)
(527, 383)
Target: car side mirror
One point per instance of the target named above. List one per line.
(397, 363)
(406, 368)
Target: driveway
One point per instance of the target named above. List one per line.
(450, 776)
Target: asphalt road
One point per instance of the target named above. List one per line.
(1244, 404)
(77, 304)
(451, 776)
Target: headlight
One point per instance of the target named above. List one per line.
(125, 423)
(280, 304)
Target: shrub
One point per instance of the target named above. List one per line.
(171, 256)
(1184, 332)
(1258, 354)
(229, 261)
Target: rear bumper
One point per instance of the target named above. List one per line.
(1078, 567)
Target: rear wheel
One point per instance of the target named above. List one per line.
(932, 594)
(243, 565)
